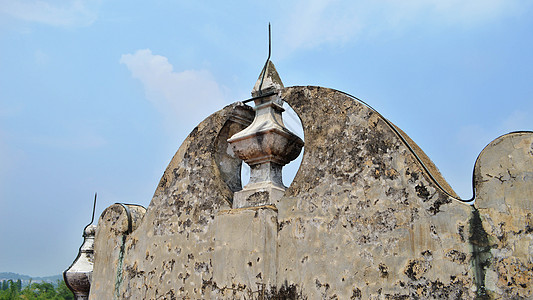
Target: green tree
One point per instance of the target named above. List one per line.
(36, 291)
(10, 293)
(63, 291)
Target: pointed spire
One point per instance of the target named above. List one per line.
(268, 81)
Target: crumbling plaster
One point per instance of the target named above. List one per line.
(361, 220)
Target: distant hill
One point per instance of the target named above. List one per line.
(25, 279)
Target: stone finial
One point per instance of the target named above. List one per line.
(78, 276)
(267, 83)
(266, 145)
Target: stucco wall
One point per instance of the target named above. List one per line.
(504, 176)
(361, 220)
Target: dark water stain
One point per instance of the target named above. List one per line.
(479, 239)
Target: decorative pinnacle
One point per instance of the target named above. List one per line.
(268, 81)
(266, 145)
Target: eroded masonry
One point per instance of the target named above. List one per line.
(368, 215)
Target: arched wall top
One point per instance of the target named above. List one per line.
(198, 151)
(361, 215)
(511, 137)
(504, 170)
(202, 176)
(325, 111)
(362, 201)
(197, 183)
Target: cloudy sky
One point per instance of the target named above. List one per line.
(96, 96)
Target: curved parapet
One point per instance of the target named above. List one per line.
(206, 151)
(367, 216)
(171, 251)
(323, 113)
(362, 217)
(504, 184)
(504, 175)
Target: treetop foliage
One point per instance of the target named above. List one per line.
(12, 290)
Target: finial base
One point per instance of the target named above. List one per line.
(263, 193)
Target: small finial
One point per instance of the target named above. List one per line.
(79, 275)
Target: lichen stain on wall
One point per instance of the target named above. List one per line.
(361, 220)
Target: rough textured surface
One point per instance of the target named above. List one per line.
(245, 247)
(171, 253)
(112, 233)
(361, 220)
(504, 173)
(268, 83)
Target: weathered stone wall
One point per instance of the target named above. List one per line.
(504, 176)
(361, 220)
(114, 226)
(170, 254)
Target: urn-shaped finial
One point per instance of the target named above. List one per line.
(266, 145)
(78, 276)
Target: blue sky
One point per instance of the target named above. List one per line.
(96, 96)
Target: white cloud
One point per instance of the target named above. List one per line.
(318, 22)
(55, 13)
(184, 97)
